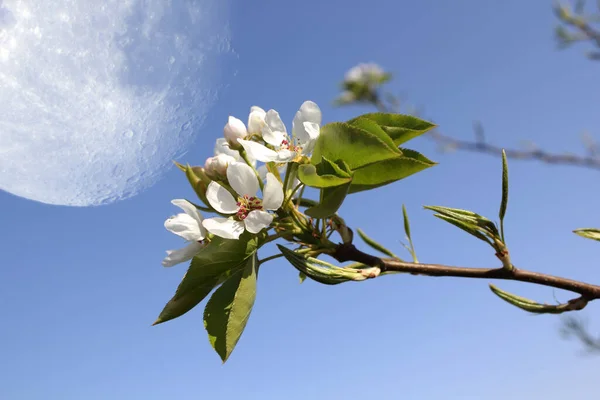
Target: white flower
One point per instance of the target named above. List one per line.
(189, 226)
(256, 120)
(262, 172)
(216, 167)
(347, 97)
(249, 212)
(305, 131)
(234, 130)
(222, 147)
(364, 73)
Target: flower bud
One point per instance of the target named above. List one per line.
(234, 130)
(256, 120)
(216, 167)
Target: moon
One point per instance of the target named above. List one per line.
(98, 96)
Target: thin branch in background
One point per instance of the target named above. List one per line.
(578, 26)
(480, 145)
(574, 327)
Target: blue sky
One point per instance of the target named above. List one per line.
(79, 287)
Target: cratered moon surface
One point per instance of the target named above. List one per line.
(98, 96)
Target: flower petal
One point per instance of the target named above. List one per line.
(242, 179)
(274, 131)
(273, 193)
(257, 220)
(284, 156)
(224, 227)
(222, 147)
(188, 208)
(313, 131)
(175, 257)
(186, 227)
(309, 112)
(256, 120)
(220, 199)
(258, 152)
(273, 121)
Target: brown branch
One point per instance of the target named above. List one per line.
(539, 155)
(480, 146)
(589, 292)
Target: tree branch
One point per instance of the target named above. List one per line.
(479, 145)
(588, 292)
(539, 155)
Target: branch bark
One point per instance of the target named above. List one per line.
(588, 292)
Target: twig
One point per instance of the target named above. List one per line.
(588, 292)
(480, 146)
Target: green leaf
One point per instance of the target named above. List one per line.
(375, 245)
(526, 304)
(504, 202)
(357, 147)
(208, 268)
(407, 231)
(588, 233)
(406, 223)
(388, 171)
(465, 226)
(401, 128)
(229, 308)
(373, 128)
(324, 272)
(468, 217)
(325, 174)
(331, 200)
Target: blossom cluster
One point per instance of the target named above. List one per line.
(236, 178)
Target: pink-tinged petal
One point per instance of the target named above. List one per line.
(178, 256)
(234, 130)
(242, 179)
(220, 199)
(224, 227)
(273, 193)
(186, 227)
(257, 220)
(257, 151)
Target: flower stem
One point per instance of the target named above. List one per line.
(267, 259)
(245, 158)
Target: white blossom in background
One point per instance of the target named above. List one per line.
(365, 73)
(187, 225)
(248, 211)
(305, 132)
